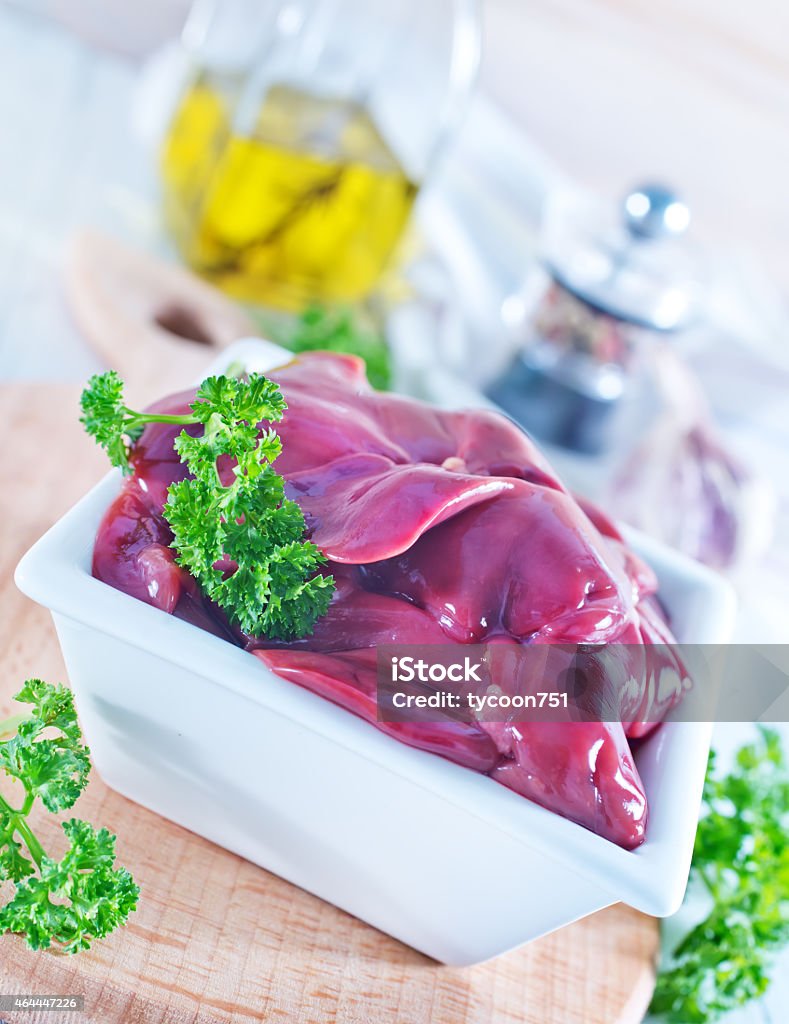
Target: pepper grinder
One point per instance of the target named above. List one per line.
(612, 288)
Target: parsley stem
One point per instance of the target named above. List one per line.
(8, 726)
(138, 419)
(17, 823)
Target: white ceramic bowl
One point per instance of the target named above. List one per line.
(444, 859)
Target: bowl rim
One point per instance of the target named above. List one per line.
(55, 572)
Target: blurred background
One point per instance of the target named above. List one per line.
(572, 210)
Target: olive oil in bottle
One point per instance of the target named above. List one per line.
(308, 205)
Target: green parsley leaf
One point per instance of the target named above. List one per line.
(336, 329)
(242, 540)
(14, 865)
(55, 768)
(83, 896)
(741, 856)
(111, 423)
(91, 896)
(103, 415)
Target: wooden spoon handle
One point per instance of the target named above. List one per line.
(153, 321)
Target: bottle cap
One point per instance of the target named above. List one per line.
(632, 263)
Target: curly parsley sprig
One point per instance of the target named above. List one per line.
(242, 541)
(741, 857)
(81, 897)
(339, 329)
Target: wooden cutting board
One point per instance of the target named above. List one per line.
(215, 938)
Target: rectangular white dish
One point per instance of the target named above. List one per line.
(446, 860)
